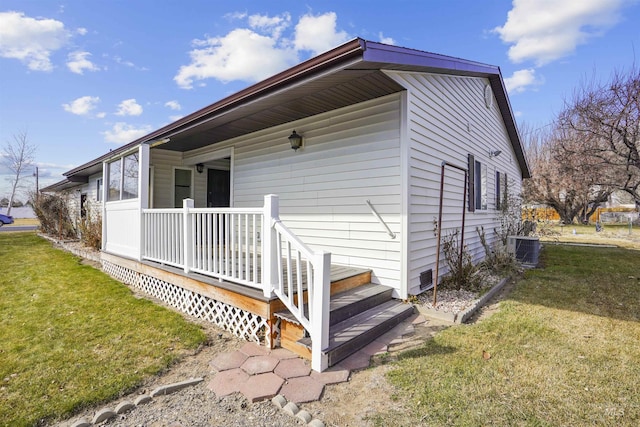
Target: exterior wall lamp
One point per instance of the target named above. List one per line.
(494, 153)
(295, 140)
(200, 167)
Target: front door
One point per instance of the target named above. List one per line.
(218, 188)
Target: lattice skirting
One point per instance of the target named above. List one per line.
(241, 323)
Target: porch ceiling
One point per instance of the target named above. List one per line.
(336, 90)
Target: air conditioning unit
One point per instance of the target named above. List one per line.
(526, 249)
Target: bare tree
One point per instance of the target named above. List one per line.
(572, 187)
(606, 116)
(18, 156)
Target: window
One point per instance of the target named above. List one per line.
(477, 177)
(181, 186)
(114, 173)
(123, 180)
(99, 190)
(130, 177)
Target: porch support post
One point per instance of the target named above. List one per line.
(187, 234)
(143, 193)
(269, 242)
(320, 311)
(105, 194)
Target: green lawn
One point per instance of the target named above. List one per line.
(563, 349)
(73, 337)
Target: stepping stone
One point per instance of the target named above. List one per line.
(228, 360)
(358, 360)
(228, 382)
(291, 368)
(376, 347)
(302, 389)
(260, 364)
(335, 374)
(261, 387)
(283, 353)
(253, 349)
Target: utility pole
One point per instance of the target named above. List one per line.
(37, 186)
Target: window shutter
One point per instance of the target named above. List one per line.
(471, 179)
(505, 193)
(498, 185)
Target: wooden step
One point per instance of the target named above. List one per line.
(350, 335)
(348, 303)
(356, 300)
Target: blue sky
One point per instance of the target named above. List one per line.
(82, 77)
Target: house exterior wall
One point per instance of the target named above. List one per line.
(74, 197)
(448, 119)
(349, 156)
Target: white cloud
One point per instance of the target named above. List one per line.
(173, 104)
(31, 40)
(129, 107)
(521, 80)
(122, 133)
(77, 62)
(318, 33)
(175, 118)
(386, 40)
(81, 31)
(546, 30)
(274, 25)
(240, 55)
(82, 106)
(261, 50)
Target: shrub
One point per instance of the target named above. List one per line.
(462, 274)
(90, 228)
(497, 259)
(52, 211)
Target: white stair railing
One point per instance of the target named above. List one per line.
(225, 243)
(289, 265)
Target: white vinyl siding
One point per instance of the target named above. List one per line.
(447, 121)
(349, 156)
(163, 162)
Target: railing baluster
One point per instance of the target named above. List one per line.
(279, 263)
(227, 245)
(290, 287)
(255, 251)
(238, 231)
(299, 284)
(247, 263)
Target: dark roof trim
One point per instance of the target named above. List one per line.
(361, 53)
(65, 184)
(325, 60)
(382, 53)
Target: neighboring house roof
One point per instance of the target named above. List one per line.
(343, 76)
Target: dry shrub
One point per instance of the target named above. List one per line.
(52, 211)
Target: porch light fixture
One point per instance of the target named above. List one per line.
(494, 153)
(295, 140)
(200, 167)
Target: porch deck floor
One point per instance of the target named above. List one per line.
(338, 272)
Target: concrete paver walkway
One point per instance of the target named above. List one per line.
(259, 373)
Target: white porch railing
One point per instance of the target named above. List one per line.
(249, 246)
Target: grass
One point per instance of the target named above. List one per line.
(72, 337)
(564, 349)
(616, 234)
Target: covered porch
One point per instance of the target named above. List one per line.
(240, 268)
